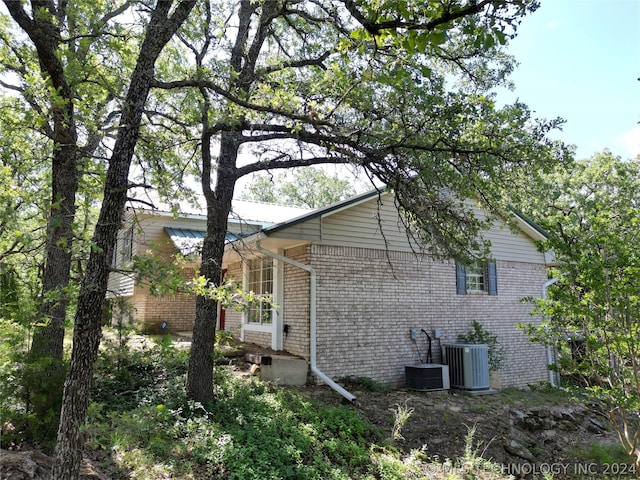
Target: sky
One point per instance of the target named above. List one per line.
(580, 60)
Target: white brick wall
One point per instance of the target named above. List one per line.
(368, 300)
(233, 319)
(148, 312)
(296, 303)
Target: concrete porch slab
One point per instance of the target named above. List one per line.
(280, 369)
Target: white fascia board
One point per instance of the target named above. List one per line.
(354, 204)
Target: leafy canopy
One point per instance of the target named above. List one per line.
(592, 213)
(402, 90)
(305, 187)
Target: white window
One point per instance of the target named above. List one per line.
(123, 252)
(476, 277)
(260, 282)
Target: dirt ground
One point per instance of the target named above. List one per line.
(523, 431)
(527, 433)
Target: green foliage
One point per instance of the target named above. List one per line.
(26, 382)
(388, 465)
(366, 383)
(401, 415)
(128, 374)
(225, 338)
(12, 344)
(591, 211)
(472, 462)
(360, 84)
(10, 307)
(304, 187)
(165, 277)
(162, 276)
(603, 454)
(254, 430)
(478, 334)
(229, 294)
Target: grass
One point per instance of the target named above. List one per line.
(603, 454)
(141, 425)
(536, 395)
(364, 383)
(254, 430)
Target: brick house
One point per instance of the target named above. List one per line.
(348, 288)
(165, 234)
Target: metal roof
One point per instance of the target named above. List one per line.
(190, 241)
(264, 213)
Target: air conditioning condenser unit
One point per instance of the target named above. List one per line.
(427, 377)
(468, 365)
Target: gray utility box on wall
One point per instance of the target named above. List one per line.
(468, 365)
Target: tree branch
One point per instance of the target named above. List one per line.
(319, 62)
(374, 27)
(287, 161)
(234, 99)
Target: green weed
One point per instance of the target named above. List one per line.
(365, 383)
(401, 415)
(603, 454)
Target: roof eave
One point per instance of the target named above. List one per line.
(324, 211)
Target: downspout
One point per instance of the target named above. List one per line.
(312, 319)
(545, 287)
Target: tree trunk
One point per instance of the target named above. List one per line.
(49, 339)
(87, 330)
(200, 370)
(46, 37)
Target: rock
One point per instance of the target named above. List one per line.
(89, 472)
(534, 420)
(513, 447)
(25, 465)
(438, 440)
(35, 465)
(565, 414)
(519, 414)
(596, 426)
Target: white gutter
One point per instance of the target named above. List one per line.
(545, 287)
(312, 319)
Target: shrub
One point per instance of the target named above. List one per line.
(479, 335)
(26, 408)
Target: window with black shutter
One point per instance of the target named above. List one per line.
(476, 277)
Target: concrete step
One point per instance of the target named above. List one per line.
(280, 369)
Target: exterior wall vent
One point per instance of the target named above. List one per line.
(468, 365)
(427, 376)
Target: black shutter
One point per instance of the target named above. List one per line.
(493, 278)
(461, 279)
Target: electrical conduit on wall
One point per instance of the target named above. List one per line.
(312, 318)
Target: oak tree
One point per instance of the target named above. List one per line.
(401, 90)
(591, 212)
(69, 42)
(306, 187)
